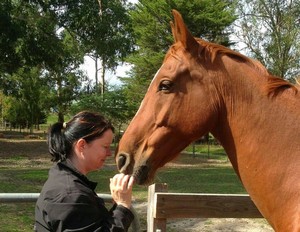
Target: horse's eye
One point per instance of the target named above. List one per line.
(165, 85)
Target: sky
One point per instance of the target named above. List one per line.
(89, 68)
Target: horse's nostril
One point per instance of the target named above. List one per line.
(121, 161)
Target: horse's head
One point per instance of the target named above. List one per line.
(176, 110)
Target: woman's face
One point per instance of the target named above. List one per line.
(96, 152)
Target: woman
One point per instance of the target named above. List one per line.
(68, 201)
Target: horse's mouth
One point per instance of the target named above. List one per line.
(142, 175)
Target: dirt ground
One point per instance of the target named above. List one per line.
(38, 157)
(224, 225)
(210, 224)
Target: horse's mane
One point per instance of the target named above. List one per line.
(275, 84)
(210, 51)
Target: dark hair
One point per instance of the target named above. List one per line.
(86, 125)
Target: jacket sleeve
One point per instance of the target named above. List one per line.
(86, 213)
(120, 217)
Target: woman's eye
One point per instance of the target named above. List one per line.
(165, 85)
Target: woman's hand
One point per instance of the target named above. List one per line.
(121, 189)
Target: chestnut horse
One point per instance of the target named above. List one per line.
(203, 87)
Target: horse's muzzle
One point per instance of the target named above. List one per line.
(125, 165)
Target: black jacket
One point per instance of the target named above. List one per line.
(68, 203)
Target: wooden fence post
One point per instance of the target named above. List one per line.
(155, 224)
(163, 205)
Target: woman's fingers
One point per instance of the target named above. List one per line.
(122, 181)
(130, 182)
(125, 182)
(119, 178)
(121, 189)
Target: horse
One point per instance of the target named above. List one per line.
(204, 87)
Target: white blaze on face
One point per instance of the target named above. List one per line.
(148, 90)
(155, 75)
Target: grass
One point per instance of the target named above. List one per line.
(53, 118)
(24, 168)
(17, 217)
(201, 180)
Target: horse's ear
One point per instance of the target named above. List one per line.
(173, 31)
(182, 34)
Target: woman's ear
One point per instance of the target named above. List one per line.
(79, 145)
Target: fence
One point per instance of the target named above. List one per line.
(163, 205)
(32, 197)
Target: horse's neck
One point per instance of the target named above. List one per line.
(261, 137)
(253, 124)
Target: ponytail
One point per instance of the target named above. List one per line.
(58, 147)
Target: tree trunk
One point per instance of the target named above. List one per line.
(102, 77)
(60, 104)
(96, 71)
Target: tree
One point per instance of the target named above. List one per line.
(42, 46)
(151, 24)
(26, 105)
(269, 30)
(10, 31)
(53, 36)
(28, 36)
(29, 41)
(113, 105)
(65, 79)
(100, 26)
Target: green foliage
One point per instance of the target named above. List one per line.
(112, 104)
(48, 62)
(269, 31)
(13, 112)
(53, 37)
(25, 105)
(11, 30)
(28, 36)
(101, 27)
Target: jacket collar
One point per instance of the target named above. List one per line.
(67, 164)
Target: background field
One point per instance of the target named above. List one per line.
(24, 165)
